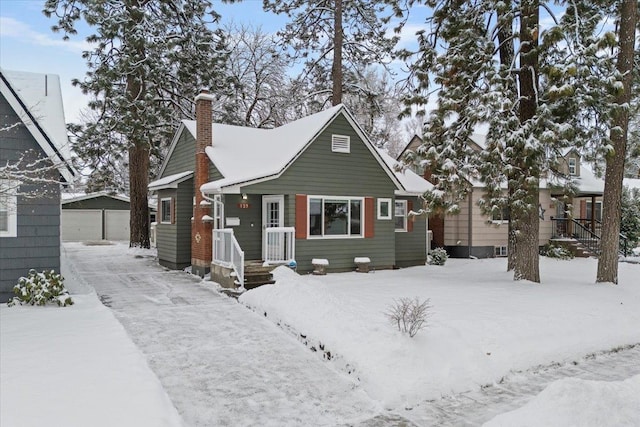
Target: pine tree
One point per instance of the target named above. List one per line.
(615, 158)
(335, 36)
(148, 59)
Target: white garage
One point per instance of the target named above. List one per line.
(95, 216)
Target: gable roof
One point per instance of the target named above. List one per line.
(170, 181)
(266, 153)
(412, 183)
(77, 197)
(37, 100)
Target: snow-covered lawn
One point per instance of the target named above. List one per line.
(576, 402)
(483, 324)
(75, 366)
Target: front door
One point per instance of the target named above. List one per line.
(272, 216)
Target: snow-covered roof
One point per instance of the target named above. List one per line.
(170, 181)
(248, 155)
(77, 197)
(412, 183)
(37, 100)
(588, 182)
(631, 182)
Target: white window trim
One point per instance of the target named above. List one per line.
(12, 208)
(389, 210)
(165, 199)
(500, 251)
(333, 236)
(406, 216)
(573, 164)
(499, 221)
(340, 143)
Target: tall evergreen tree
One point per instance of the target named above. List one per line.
(148, 59)
(335, 36)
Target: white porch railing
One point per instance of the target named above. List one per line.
(227, 252)
(279, 245)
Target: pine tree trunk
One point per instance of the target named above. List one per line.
(526, 221)
(139, 182)
(612, 201)
(336, 69)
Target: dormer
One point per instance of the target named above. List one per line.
(571, 164)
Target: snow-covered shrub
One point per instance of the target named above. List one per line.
(560, 252)
(40, 289)
(409, 315)
(438, 256)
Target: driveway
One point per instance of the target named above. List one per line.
(221, 364)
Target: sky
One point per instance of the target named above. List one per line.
(28, 44)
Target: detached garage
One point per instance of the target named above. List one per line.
(95, 216)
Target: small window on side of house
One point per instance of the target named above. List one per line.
(501, 216)
(384, 208)
(500, 251)
(573, 166)
(165, 211)
(8, 209)
(340, 143)
(400, 214)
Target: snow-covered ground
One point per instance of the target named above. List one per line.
(75, 366)
(222, 364)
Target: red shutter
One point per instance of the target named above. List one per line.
(583, 208)
(173, 210)
(410, 219)
(301, 216)
(369, 216)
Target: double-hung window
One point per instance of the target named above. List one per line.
(573, 166)
(165, 211)
(335, 216)
(8, 209)
(400, 215)
(501, 215)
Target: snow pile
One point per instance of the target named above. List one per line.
(482, 326)
(75, 367)
(576, 402)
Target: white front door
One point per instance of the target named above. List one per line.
(272, 216)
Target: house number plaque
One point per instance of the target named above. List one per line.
(244, 205)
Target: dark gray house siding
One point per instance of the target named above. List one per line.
(320, 172)
(100, 202)
(411, 246)
(37, 244)
(174, 240)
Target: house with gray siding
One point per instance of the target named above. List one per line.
(32, 131)
(315, 188)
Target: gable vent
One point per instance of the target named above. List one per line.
(340, 144)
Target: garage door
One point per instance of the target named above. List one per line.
(81, 225)
(116, 225)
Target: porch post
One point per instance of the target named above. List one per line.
(593, 214)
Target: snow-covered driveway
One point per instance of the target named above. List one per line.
(220, 363)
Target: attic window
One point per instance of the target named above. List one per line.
(572, 165)
(340, 143)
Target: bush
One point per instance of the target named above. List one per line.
(559, 252)
(409, 315)
(41, 289)
(438, 256)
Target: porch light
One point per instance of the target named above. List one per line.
(244, 196)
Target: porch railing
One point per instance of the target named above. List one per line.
(279, 245)
(581, 230)
(227, 252)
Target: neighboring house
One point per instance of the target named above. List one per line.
(96, 216)
(315, 188)
(472, 234)
(32, 127)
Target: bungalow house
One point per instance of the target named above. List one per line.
(472, 234)
(315, 188)
(32, 129)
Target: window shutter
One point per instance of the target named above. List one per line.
(173, 210)
(411, 218)
(369, 216)
(583, 208)
(301, 216)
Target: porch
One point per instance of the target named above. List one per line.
(584, 235)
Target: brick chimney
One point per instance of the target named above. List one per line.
(201, 231)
